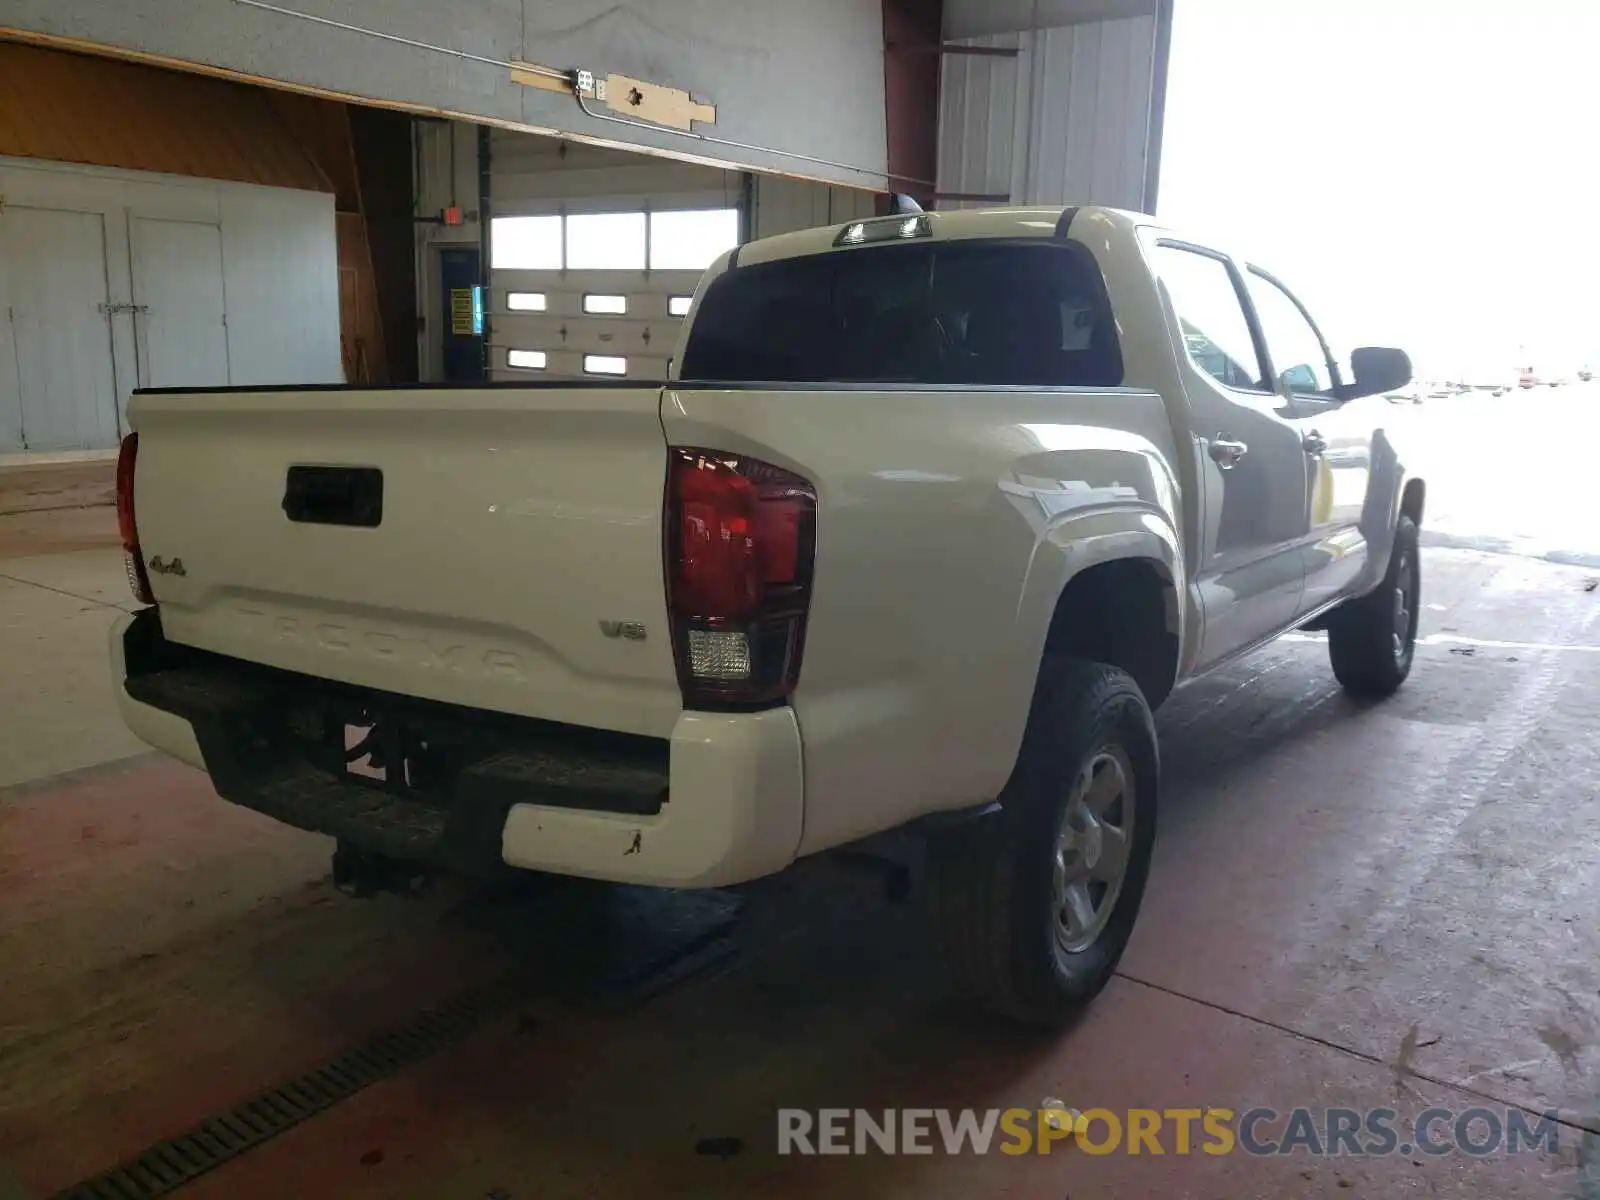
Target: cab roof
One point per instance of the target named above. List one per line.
(958, 224)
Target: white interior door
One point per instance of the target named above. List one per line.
(65, 379)
(180, 318)
(10, 387)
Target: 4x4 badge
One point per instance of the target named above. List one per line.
(159, 567)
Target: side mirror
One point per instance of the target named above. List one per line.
(1377, 369)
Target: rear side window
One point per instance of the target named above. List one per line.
(1031, 314)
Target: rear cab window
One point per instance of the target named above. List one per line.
(1031, 313)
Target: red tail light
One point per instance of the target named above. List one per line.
(138, 579)
(741, 541)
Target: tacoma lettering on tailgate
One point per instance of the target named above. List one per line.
(414, 649)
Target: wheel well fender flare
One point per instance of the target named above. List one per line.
(1077, 545)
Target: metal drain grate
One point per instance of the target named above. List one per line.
(169, 1165)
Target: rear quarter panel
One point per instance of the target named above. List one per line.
(949, 520)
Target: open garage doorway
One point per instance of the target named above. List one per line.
(1417, 172)
(593, 253)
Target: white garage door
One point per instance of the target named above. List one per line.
(594, 255)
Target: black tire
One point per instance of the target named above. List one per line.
(993, 882)
(1370, 643)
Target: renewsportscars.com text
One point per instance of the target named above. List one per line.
(1343, 1132)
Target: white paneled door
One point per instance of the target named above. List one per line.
(56, 364)
(179, 304)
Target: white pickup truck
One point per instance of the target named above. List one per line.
(935, 509)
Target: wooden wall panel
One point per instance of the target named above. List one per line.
(73, 108)
(383, 155)
(64, 107)
(360, 325)
(322, 129)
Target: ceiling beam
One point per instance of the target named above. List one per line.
(981, 18)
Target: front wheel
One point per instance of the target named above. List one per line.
(1036, 902)
(1372, 640)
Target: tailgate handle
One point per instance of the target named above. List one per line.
(334, 496)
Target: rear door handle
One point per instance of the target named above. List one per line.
(1227, 453)
(1315, 444)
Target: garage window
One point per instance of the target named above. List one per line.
(604, 364)
(978, 313)
(606, 242)
(526, 360)
(605, 305)
(675, 240)
(525, 301)
(525, 243)
(678, 306)
(691, 241)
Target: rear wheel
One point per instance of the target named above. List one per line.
(1036, 902)
(1373, 639)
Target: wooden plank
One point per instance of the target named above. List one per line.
(530, 75)
(653, 102)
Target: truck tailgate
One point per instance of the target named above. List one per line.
(515, 563)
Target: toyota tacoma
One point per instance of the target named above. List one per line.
(931, 513)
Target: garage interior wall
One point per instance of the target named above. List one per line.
(785, 205)
(446, 171)
(801, 78)
(548, 316)
(1065, 113)
(120, 266)
(365, 154)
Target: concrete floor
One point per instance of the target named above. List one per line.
(1386, 907)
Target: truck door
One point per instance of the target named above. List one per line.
(1249, 458)
(1337, 443)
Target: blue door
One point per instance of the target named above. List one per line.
(461, 278)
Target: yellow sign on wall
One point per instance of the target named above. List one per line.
(462, 313)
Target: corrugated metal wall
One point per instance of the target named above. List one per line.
(1066, 121)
